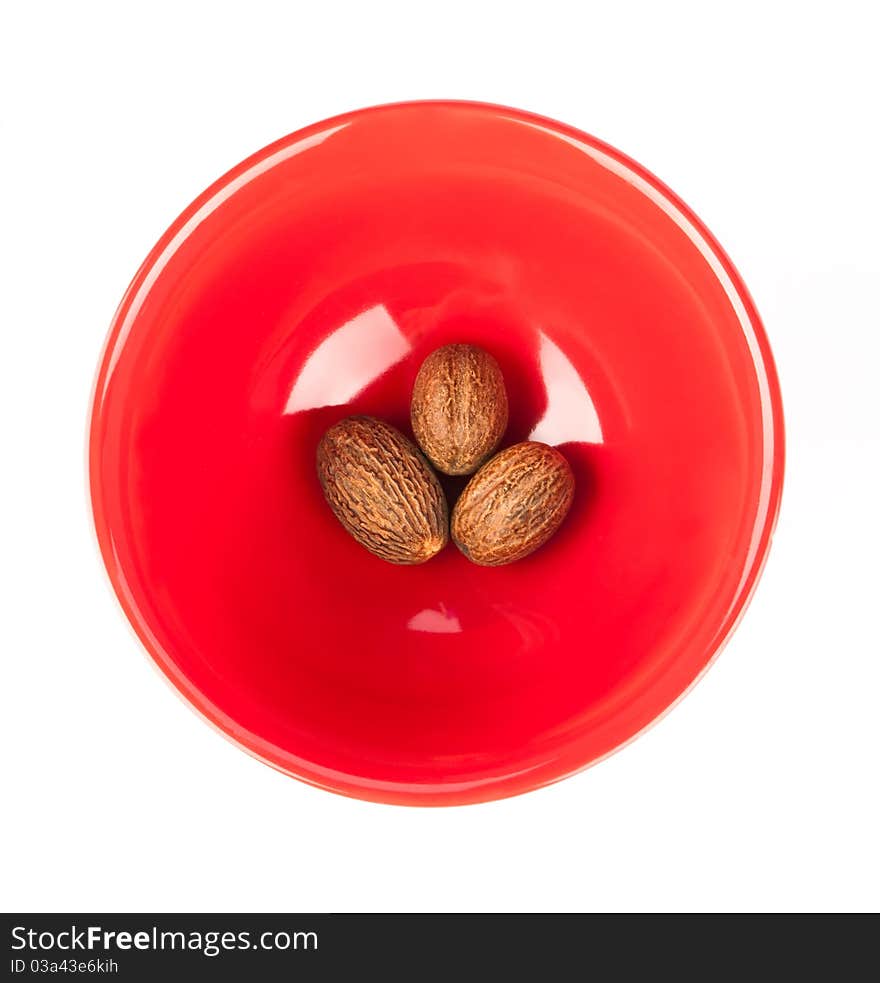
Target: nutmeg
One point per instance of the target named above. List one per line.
(459, 408)
(382, 490)
(513, 504)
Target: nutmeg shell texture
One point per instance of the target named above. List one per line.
(459, 408)
(513, 504)
(382, 490)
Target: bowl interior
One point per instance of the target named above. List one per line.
(309, 284)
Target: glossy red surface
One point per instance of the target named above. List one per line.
(307, 284)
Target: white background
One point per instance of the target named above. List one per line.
(760, 791)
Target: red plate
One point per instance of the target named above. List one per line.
(308, 284)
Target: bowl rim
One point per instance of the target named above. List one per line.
(563, 766)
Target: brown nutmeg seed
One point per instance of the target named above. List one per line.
(513, 504)
(459, 408)
(382, 490)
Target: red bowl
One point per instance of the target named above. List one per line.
(308, 284)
